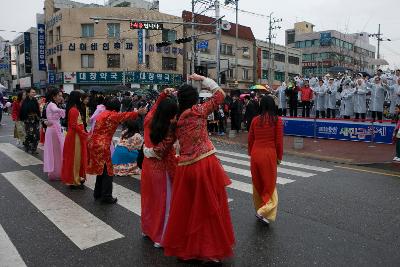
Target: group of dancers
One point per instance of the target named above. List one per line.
(184, 204)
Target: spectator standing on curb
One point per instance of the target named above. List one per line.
(306, 98)
(396, 135)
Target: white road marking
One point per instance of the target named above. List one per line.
(241, 186)
(18, 155)
(283, 163)
(9, 256)
(128, 199)
(281, 170)
(247, 173)
(1, 136)
(80, 226)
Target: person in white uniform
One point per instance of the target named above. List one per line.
(320, 92)
(331, 98)
(347, 100)
(360, 100)
(377, 90)
(394, 98)
(282, 103)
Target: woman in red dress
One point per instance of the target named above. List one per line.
(99, 147)
(158, 169)
(266, 150)
(73, 171)
(199, 225)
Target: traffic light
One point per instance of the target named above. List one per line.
(183, 40)
(165, 43)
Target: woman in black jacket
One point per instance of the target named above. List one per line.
(30, 115)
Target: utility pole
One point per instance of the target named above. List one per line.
(193, 54)
(379, 38)
(236, 43)
(271, 28)
(218, 35)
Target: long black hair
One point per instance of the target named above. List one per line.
(53, 92)
(132, 128)
(112, 103)
(74, 100)
(188, 96)
(160, 124)
(268, 111)
(20, 95)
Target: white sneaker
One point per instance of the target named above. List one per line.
(157, 245)
(396, 159)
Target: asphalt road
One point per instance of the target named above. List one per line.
(327, 216)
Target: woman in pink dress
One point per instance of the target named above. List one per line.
(53, 147)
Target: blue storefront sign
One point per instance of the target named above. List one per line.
(140, 47)
(27, 53)
(51, 77)
(42, 46)
(325, 39)
(340, 130)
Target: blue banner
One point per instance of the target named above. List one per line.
(340, 130)
(325, 39)
(51, 77)
(42, 46)
(27, 48)
(140, 47)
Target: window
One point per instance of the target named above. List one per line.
(58, 33)
(279, 57)
(290, 37)
(226, 49)
(168, 63)
(246, 52)
(87, 30)
(50, 37)
(230, 73)
(87, 61)
(245, 74)
(308, 43)
(294, 60)
(147, 61)
(279, 76)
(21, 48)
(59, 63)
(265, 54)
(265, 74)
(113, 61)
(168, 35)
(113, 30)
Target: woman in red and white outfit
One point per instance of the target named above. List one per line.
(158, 166)
(199, 225)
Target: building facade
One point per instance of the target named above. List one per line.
(326, 49)
(150, 5)
(285, 62)
(27, 73)
(83, 53)
(205, 60)
(5, 63)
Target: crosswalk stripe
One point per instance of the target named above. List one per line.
(18, 155)
(284, 163)
(9, 256)
(280, 169)
(128, 199)
(241, 186)
(80, 226)
(247, 173)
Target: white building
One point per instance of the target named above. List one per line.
(286, 62)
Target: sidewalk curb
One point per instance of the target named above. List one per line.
(303, 154)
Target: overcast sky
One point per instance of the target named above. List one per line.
(343, 15)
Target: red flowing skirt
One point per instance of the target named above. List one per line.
(199, 225)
